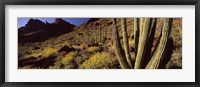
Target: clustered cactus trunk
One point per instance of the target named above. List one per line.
(125, 41)
(98, 34)
(160, 51)
(144, 30)
(142, 43)
(118, 48)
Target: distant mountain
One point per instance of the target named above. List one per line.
(36, 30)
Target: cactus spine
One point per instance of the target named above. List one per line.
(160, 50)
(125, 41)
(117, 46)
(144, 32)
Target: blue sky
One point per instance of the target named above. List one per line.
(75, 21)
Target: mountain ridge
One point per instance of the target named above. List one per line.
(36, 30)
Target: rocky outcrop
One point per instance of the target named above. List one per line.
(36, 30)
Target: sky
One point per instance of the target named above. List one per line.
(75, 21)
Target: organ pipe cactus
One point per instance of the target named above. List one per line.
(160, 51)
(151, 26)
(141, 27)
(144, 32)
(125, 41)
(96, 35)
(143, 38)
(117, 47)
(90, 38)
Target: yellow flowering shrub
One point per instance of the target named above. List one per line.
(35, 55)
(48, 51)
(43, 53)
(68, 58)
(93, 49)
(98, 61)
(100, 43)
(76, 47)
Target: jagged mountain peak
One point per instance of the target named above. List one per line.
(36, 28)
(34, 22)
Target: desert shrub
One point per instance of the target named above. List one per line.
(93, 49)
(99, 61)
(176, 60)
(67, 61)
(132, 56)
(131, 42)
(81, 57)
(29, 53)
(100, 43)
(35, 55)
(48, 52)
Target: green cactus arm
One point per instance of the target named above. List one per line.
(152, 24)
(125, 41)
(142, 42)
(117, 47)
(160, 50)
(141, 27)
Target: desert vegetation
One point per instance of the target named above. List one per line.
(101, 43)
